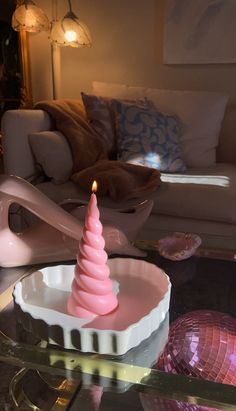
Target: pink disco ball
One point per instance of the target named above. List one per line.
(154, 403)
(201, 344)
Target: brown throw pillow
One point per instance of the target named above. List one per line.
(101, 116)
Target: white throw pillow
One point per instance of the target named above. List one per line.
(118, 91)
(53, 154)
(201, 114)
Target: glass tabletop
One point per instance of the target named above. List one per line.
(187, 363)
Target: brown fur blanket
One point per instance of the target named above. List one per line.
(119, 180)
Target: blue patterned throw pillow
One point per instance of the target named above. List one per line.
(148, 137)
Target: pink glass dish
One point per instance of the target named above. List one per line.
(178, 246)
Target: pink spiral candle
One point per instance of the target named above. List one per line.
(92, 293)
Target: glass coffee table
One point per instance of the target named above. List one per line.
(36, 375)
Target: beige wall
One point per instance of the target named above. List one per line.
(127, 47)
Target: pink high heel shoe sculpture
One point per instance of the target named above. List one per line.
(56, 236)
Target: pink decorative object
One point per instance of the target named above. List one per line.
(178, 246)
(92, 292)
(96, 396)
(56, 236)
(201, 344)
(153, 403)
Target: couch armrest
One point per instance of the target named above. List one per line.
(16, 126)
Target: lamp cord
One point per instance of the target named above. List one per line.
(70, 8)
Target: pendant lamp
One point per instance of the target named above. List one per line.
(70, 31)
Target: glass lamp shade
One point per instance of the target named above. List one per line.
(70, 32)
(30, 18)
(57, 35)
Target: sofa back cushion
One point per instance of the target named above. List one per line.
(201, 114)
(226, 150)
(52, 153)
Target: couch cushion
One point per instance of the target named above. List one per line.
(120, 91)
(147, 137)
(200, 112)
(53, 154)
(201, 193)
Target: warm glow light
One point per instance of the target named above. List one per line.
(94, 186)
(70, 35)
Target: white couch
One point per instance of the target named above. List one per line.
(202, 200)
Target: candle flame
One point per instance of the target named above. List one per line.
(94, 186)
